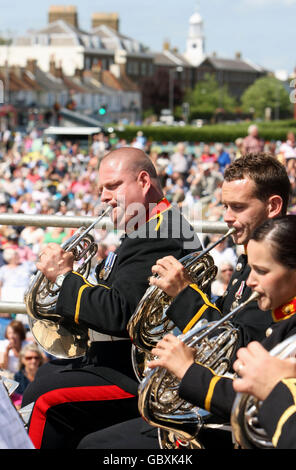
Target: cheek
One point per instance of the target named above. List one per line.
(277, 289)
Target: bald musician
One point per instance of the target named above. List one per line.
(85, 395)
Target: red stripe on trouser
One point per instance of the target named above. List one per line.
(67, 395)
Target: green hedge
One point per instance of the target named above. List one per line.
(209, 133)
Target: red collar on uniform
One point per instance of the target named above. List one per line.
(160, 207)
(284, 311)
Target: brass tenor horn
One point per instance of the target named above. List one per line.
(47, 326)
(149, 322)
(158, 400)
(246, 428)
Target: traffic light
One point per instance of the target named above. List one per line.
(102, 110)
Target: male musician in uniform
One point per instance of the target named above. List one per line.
(255, 188)
(85, 395)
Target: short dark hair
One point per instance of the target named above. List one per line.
(280, 232)
(268, 174)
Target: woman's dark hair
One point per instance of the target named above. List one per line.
(18, 328)
(268, 174)
(280, 232)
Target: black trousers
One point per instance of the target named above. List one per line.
(75, 398)
(132, 434)
(137, 434)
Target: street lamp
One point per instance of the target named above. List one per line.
(171, 86)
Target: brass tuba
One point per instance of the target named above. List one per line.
(159, 403)
(149, 322)
(246, 428)
(48, 328)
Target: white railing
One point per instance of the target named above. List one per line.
(78, 221)
(75, 222)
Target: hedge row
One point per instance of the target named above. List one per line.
(209, 133)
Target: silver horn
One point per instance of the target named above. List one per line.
(246, 428)
(149, 323)
(54, 336)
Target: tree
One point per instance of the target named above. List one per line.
(208, 97)
(267, 92)
(155, 91)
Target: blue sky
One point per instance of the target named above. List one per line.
(264, 31)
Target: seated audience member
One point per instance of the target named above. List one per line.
(10, 347)
(288, 148)
(222, 252)
(252, 144)
(30, 359)
(223, 157)
(219, 285)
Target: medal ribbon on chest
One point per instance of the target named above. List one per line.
(238, 295)
(109, 263)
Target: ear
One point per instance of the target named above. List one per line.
(144, 181)
(275, 204)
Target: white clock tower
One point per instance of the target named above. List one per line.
(195, 48)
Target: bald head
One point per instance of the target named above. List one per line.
(132, 160)
(128, 182)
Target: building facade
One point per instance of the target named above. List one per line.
(120, 70)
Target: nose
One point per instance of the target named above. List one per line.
(229, 217)
(252, 280)
(106, 196)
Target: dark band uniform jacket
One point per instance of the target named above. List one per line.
(217, 395)
(106, 308)
(277, 414)
(251, 321)
(194, 304)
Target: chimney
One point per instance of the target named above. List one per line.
(52, 67)
(66, 13)
(108, 19)
(238, 56)
(166, 45)
(59, 70)
(31, 65)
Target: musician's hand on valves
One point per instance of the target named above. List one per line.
(173, 277)
(53, 261)
(259, 372)
(174, 355)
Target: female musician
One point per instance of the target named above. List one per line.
(272, 257)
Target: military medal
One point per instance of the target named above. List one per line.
(109, 263)
(238, 295)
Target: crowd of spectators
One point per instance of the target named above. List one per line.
(41, 176)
